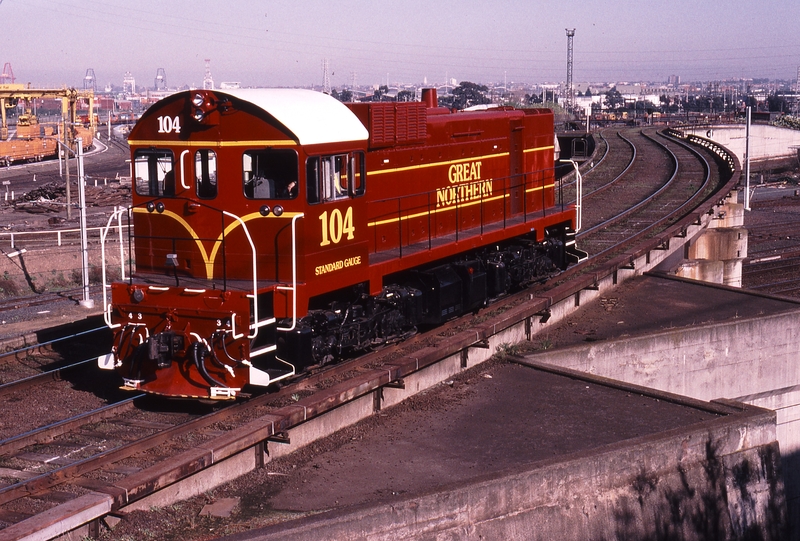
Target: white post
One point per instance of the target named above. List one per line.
(87, 301)
(121, 243)
(747, 162)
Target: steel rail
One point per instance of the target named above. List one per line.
(37, 379)
(658, 223)
(45, 481)
(47, 433)
(607, 185)
(49, 342)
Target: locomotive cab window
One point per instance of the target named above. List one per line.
(205, 173)
(330, 178)
(154, 172)
(270, 174)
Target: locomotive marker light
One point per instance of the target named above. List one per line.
(137, 295)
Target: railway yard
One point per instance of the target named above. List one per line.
(464, 404)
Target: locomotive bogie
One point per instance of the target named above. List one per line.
(280, 229)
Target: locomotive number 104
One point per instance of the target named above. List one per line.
(336, 226)
(167, 124)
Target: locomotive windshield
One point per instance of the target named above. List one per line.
(153, 171)
(270, 174)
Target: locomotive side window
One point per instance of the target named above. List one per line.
(205, 172)
(330, 178)
(154, 172)
(270, 174)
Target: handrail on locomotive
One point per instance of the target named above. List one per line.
(257, 323)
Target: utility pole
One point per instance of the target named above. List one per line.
(66, 164)
(570, 101)
(87, 301)
(747, 160)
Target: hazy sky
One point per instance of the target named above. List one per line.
(283, 43)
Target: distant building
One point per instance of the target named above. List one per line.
(128, 84)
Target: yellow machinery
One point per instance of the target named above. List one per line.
(11, 94)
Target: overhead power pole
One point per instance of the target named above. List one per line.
(570, 101)
(326, 80)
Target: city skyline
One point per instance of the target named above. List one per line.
(282, 44)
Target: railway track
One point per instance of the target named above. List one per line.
(773, 265)
(109, 473)
(662, 181)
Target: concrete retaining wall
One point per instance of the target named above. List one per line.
(717, 480)
(765, 141)
(755, 360)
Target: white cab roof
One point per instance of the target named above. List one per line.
(313, 117)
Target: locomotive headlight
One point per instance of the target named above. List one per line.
(264, 210)
(198, 115)
(198, 99)
(278, 210)
(150, 207)
(160, 207)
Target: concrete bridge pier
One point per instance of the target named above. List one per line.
(716, 254)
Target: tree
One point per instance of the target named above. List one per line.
(588, 92)
(343, 96)
(405, 95)
(381, 94)
(468, 94)
(614, 99)
(777, 102)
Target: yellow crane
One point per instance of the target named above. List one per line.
(11, 94)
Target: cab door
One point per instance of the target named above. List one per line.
(336, 222)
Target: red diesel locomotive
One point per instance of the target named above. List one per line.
(276, 229)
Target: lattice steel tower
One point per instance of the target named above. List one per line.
(208, 81)
(326, 80)
(570, 98)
